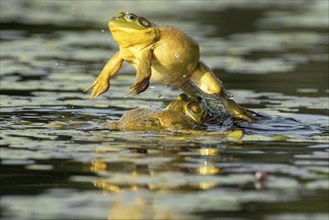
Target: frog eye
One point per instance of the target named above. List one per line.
(184, 97)
(131, 17)
(195, 108)
(144, 22)
(199, 98)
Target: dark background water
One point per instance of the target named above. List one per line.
(271, 55)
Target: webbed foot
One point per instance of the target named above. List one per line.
(99, 87)
(139, 86)
(236, 111)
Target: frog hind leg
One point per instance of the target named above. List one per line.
(208, 83)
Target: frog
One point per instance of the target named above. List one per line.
(166, 55)
(181, 114)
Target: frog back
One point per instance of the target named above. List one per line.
(169, 118)
(137, 120)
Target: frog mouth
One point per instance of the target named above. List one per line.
(120, 22)
(117, 22)
(120, 14)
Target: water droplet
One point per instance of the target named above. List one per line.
(184, 76)
(160, 96)
(177, 55)
(102, 30)
(56, 64)
(261, 175)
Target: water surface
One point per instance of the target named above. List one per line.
(272, 56)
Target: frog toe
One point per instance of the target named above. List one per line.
(88, 88)
(139, 86)
(98, 90)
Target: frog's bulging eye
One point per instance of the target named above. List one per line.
(184, 97)
(144, 22)
(131, 17)
(195, 108)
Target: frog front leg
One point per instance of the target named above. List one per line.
(143, 73)
(102, 83)
(205, 79)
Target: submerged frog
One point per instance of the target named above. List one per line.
(161, 54)
(183, 113)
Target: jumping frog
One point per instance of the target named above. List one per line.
(161, 54)
(183, 113)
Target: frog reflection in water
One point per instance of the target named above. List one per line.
(183, 113)
(162, 54)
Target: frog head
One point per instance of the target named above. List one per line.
(193, 107)
(129, 30)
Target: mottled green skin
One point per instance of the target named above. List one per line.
(183, 113)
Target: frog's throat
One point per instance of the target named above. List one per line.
(127, 37)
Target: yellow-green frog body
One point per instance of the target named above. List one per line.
(161, 54)
(183, 113)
